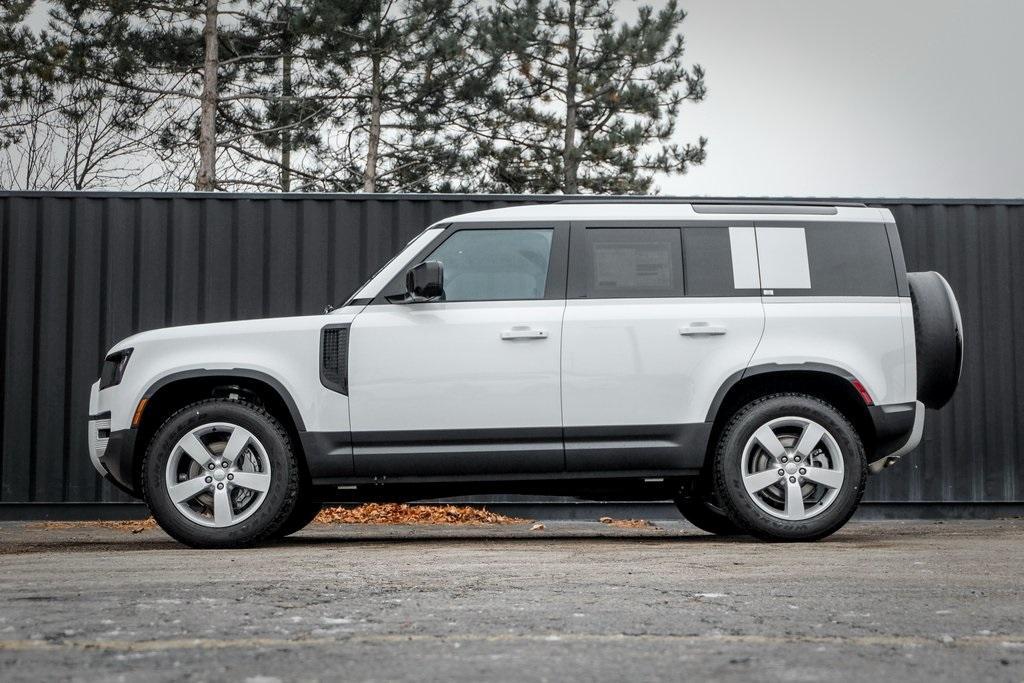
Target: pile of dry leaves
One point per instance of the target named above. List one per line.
(396, 513)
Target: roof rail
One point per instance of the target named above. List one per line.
(740, 201)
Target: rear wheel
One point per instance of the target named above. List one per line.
(789, 467)
(221, 474)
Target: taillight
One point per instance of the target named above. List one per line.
(864, 395)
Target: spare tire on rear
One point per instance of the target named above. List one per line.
(938, 331)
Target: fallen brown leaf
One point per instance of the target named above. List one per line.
(628, 523)
(135, 526)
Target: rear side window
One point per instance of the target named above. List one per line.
(495, 265)
(826, 259)
(709, 258)
(631, 262)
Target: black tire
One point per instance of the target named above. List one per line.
(939, 340)
(306, 510)
(281, 495)
(740, 506)
(707, 517)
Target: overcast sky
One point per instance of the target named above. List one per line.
(871, 98)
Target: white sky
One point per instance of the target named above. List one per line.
(869, 98)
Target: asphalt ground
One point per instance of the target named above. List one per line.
(907, 601)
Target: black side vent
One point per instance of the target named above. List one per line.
(334, 358)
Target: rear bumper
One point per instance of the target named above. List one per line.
(898, 430)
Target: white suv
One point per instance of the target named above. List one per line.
(751, 362)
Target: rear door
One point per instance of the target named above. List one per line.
(470, 384)
(658, 316)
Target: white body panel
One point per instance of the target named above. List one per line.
(627, 361)
(284, 349)
(865, 336)
(446, 366)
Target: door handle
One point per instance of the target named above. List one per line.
(523, 332)
(702, 329)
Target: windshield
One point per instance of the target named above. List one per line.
(391, 268)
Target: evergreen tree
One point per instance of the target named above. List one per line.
(18, 47)
(290, 53)
(410, 87)
(219, 78)
(585, 103)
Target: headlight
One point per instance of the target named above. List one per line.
(114, 367)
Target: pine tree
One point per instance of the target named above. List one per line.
(18, 82)
(585, 103)
(291, 53)
(219, 78)
(63, 131)
(410, 87)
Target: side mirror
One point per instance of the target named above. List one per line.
(425, 282)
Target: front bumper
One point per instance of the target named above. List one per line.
(112, 452)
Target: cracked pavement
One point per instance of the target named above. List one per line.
(579, 600)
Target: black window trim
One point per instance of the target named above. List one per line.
(554, 287)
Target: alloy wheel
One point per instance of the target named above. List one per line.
(792, 468)
(218, 474)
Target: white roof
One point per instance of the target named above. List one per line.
(667, 211)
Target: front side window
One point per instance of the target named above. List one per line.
(495, 265)
(632, 262)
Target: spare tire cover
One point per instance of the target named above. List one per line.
(938, 332)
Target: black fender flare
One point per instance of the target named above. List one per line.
(244, 373)
(765, 368)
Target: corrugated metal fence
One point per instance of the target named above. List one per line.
(80, 271)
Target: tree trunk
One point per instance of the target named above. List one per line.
(286, 134)
(373, 145)
(570, 162)
(206, 180)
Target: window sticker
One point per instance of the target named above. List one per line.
(633, 266)
(743, 244)
(782, 255)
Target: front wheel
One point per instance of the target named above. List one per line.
(789, 467)
(221, 474)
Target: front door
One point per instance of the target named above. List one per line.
(470, 384)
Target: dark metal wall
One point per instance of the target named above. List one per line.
(80, 271)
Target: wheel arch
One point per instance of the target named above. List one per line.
(172, 392)
(827, 382)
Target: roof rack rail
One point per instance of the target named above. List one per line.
(741, 201)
